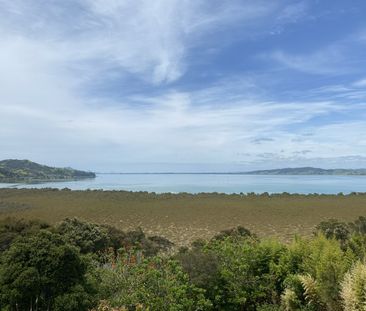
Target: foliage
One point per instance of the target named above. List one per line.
(238, 232)
(90, 238)
(353, 289)
(43, 272)
(94, 238)
(356, 245)
(334, 229)
(359, 225)
(327, 264)
(150, 284)
(248, 272)
(150, 246)
(269, 307)
(318, 266)
(202, 267)
(60, 268)
(312, 292)
(12, 228)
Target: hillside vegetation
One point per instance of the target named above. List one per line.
(27, 171)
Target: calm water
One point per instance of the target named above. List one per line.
(212, 183)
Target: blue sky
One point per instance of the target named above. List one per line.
(120, 85)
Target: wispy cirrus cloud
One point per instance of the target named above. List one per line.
(339, 58)
(147, 38)
(323, 62)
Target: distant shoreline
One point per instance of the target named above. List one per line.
(227, 173)
(40, 181)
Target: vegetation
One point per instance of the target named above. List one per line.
(27, 171)
(51, 260)
(77, 265)
(183, 217)
(309, 171)
(44, 272)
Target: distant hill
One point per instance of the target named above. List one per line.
(309, 171)
(27, 171)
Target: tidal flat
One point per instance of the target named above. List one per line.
(184, 217)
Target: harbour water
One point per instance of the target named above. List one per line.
(223, 183)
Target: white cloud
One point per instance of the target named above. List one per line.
(323, 62)
(147, 38)
(202, 126)
(339, 57)
(360, 83)
(51, 50)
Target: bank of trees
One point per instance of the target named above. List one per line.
(76, 265)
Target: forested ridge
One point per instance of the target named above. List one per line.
(28, 171)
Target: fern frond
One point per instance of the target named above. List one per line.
(353, 288)
(311, 291)
(289, 300)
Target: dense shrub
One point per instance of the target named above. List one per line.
(12, 228)
(150, 284)
(237, 232)
(318, 267)
(334, 229)
(359, 225)
(90, 238)
(150, 246)
(44, 272)
(79, 266)
(202, 267)
(248, 273)
(94, 238)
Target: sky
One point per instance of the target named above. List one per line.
(188, 85)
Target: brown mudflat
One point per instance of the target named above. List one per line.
(184, 217)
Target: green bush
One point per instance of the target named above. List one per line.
(150, 284)
(202, 267)
(318, 267)
(90, 238)
(56, 268)
(248, 272)
(334, 229)
(39, 271)
(12, 228)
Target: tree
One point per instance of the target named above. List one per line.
(39, 271)
(237, 232)
(334, 229)
(89, 237)
(94, 238)
(202, 267)
(12, 228)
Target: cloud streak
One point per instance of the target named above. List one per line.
(54, 55)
